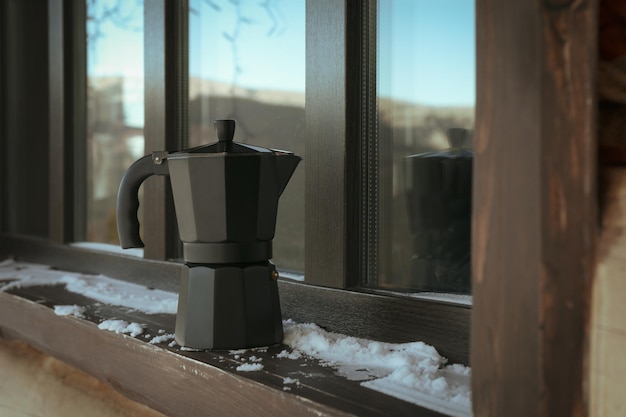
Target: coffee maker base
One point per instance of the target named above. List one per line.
(227, 306)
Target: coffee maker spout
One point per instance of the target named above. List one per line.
(286, 164)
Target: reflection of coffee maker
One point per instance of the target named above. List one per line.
(439, 197)
(226, 199)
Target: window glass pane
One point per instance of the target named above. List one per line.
(247, 63)
(425, 94)
(115, 107)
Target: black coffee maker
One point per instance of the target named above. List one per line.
(226, 199)
(438, 189)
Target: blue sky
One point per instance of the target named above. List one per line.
(427, 51)
(270, 43)
(426, 47)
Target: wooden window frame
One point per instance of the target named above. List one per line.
(535, 198)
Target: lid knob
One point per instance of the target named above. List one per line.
(225, 130)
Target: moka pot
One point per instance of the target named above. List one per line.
(226, 200)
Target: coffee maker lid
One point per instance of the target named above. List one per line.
(225, 130)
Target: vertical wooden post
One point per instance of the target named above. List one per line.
(534, 206)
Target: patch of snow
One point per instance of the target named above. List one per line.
(289, 355)
(124, 294)
(107, 247)
(249, 367)
(288, 380)
(121, 326)
(67, 310)
(97, 287)
(453, 402)
(160, 339)
(188, 349)
(413, 372)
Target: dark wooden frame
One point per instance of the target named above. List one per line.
(25, 98)
(326, 149)
(165, 46)
(535, 206)
(68, 115)
(3, 95)
(340, 105)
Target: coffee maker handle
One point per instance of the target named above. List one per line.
(128, 200)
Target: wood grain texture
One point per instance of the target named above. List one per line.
(608, 327)
(569, 201)
(535, 207)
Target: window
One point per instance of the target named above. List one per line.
(115, 108)
(246, 61)
(333, 224)
(419, 185)
(374, 88)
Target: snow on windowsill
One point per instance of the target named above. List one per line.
(413, 372)
(109, 248)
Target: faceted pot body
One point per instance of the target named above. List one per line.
(225, 197)
(229, 307)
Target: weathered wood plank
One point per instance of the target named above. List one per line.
(173, 384)
(569, 201)
(535, 206)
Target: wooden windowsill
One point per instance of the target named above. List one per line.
(183, 383)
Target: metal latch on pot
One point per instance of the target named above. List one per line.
(159, 158)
